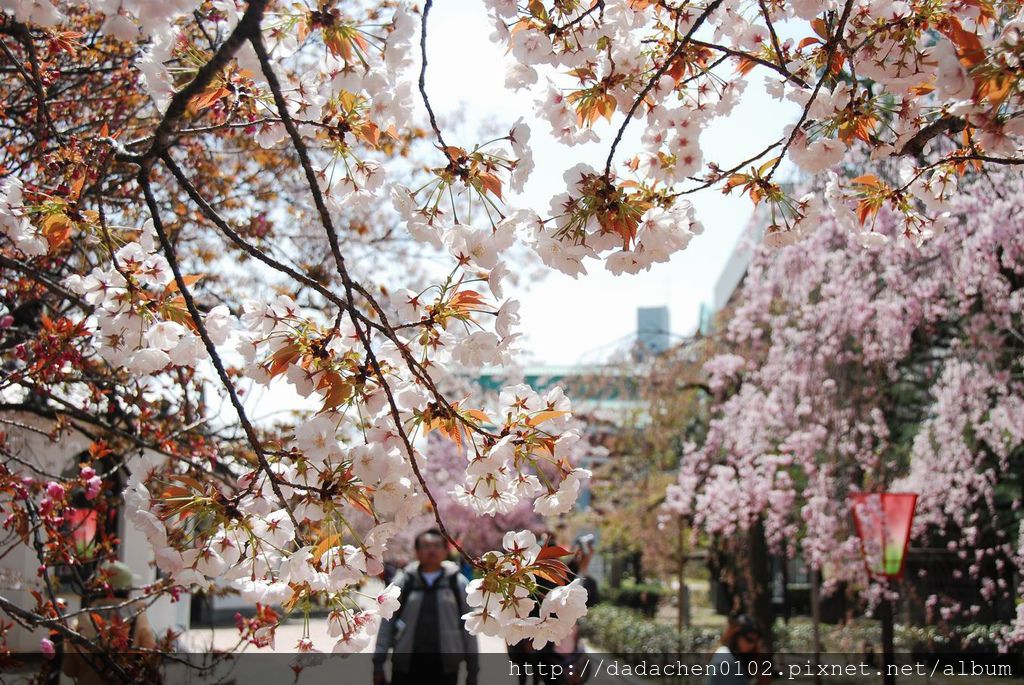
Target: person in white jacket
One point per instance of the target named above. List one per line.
(731, 663)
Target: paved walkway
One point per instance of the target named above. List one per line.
(288, 635)
(265, 667)
(357, 670)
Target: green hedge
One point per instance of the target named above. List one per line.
(797, 636)
(644, 597)
(626, 632)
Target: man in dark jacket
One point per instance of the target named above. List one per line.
(427, 635)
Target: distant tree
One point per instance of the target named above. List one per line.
(897, 367)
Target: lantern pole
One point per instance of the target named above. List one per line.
(815, 578)
(888, 641)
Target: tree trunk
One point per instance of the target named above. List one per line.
(888, 650)
(683, 616)
(615, 573)
(758, 588)
(814, 576)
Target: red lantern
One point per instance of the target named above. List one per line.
(83, 530)
(883, 521)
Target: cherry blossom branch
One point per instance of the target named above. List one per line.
(37, 545)
(260, 255)
(328, 225)
(722, 174)
(8, 455)
(255, 252)
(211, 349)
(44, 280)
(413, 462)
(61, 619)
(303, 154)
(35, 81)
(354, 314)
(778, 68)
(70, 410)
(248, 25)
(598, 6)
(384, 327)
(415, 366)
(93, 648)
(666, 65)
(830, 52)
(210, 213)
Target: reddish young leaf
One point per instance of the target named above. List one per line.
(553, 552)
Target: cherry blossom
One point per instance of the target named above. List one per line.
(236, 216)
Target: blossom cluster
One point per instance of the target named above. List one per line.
(893, 75)
(867, 72)
(346, 462)
(139, 320)
(13, 222)
(501, 601)
(510, 470)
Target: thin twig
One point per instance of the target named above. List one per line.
(771, 32)
(423, 82)
(790, 76)
(830, 52)
(35, 619)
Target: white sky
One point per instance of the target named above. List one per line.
(565, 320)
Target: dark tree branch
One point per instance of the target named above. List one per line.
(211, 349)
(598, 6)
(210, 213)
(34, 619)
(423, 82)
(771, 32)
(35, 81)
(944, 124)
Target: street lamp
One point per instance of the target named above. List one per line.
(883, 521)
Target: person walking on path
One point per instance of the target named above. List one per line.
(427, 637)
